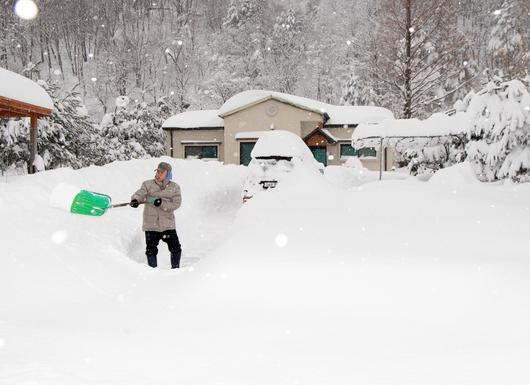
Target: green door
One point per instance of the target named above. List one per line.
(320, 154)
(245, 148)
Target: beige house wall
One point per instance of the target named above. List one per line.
(201, 136)
(257, 118)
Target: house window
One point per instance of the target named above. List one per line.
(346, 149)
(245, 150)
(366, 152)
(201, 152)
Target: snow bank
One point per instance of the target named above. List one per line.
(459, 174)
(310, 284)
(63, 195)
(18, 87)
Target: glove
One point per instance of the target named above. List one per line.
(134, 203)
(156, 201)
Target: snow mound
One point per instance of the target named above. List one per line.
(280, 143)
(63, 195)
(461, 173)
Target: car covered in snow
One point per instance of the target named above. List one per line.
(276, 155)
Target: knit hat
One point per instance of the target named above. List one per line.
(163, 166)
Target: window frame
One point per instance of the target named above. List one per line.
(215, 146)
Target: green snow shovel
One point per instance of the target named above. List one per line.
(92, 203)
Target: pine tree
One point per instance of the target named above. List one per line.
(509, 39)
(133, 131)
(68, 137)
(500, 131)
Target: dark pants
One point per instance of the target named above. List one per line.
(171, 238)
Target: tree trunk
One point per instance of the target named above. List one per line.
(407, 109)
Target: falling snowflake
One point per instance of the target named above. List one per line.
(281, 240)
(59, 237)
(26, 9)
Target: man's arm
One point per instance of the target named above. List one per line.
(141, 194)
(173, 200)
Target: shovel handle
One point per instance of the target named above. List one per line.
(124, 204)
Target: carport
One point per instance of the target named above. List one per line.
(21, 97)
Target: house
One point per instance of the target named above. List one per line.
(229, 133)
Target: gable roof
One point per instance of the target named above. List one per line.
(325, 133)
(332, 114)
(250, 98)
(194, 119)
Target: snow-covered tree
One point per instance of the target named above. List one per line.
(509, 44)
(14, 144)
(133, 131)
(500, 131)
(284, 53)
(357, 93)
(415, 52)
(68, 137)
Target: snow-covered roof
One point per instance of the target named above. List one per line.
(338, 115)
(329, 134)
(280, 143)
(19, 88)
(249, 98)
(194, 119)
(436, 126)
(341, 115)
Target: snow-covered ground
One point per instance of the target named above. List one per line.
(339, 281)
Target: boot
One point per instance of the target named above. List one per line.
(151, 260)
(175, 259)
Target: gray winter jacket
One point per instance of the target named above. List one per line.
(159, 218)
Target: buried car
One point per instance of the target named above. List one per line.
(275, 156)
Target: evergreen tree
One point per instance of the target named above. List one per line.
(500, 131)
(68, 137)
(509, 39)
(133, 131)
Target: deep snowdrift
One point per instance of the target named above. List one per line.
(392, 282)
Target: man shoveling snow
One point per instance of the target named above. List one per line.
(162, 198)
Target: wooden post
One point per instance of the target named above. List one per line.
(32, 143)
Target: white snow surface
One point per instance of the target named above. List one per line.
(194, 119)
(18, 87)
(338, 114)
(459, 174)
(393, 282)
(62, 196)
(38, 163)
